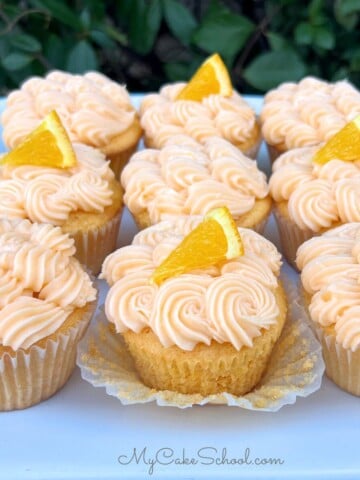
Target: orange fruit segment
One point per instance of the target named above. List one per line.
(214, 240)
(48, 146)
(212, 77)
(344, 145)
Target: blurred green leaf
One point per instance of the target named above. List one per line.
(26, 43)
(60, 11)
(324, 38)
(346, 12)
(177, 71)
(303, 33)
(82, 58)
(54, 50)
(16, 61)
(270, 69)
(340, 74)
(144, 24)
(116, 35)
(224, 32)
(180, 20)
(85, 18)
(153, 21)
(101, 39)
(277, 42)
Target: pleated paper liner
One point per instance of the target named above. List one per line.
(93, 246)
(37, 373)
(295, 369)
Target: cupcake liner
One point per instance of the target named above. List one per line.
(291, 236)
(120, 159)
(273, 152)
(260, 227)
(37, 373)
(254, 149)
(295, 368)
(93, 246)
(342, 365)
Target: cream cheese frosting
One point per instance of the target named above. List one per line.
(318, 196)
(187, 178)
(229, 117)
(41, 283)
(330, 273)
(307, 113)
(50, 195)
(93, 108)
(232, 302)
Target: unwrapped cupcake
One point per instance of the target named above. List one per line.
(185, 177)
(83, 198)
(206, 106)
(330, 276)
(203, 330)
(46, 302)
(307, 113)
(94, 110)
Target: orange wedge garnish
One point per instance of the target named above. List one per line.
(344, 145)
(48, 145)
(214, 240)
(212, 77)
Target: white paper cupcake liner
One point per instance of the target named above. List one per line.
(94, 246)
(36, 374)
(295, 369)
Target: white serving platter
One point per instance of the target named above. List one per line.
(82, 433)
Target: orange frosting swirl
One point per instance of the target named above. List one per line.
(331, 274)
(93, 109)
(232, 303)
(41, 283)
(49, 195)
(307, 113)
(162, 117)
(186, 178)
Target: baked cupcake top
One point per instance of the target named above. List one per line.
(50, 195)
(93, 109)
(318, 196)
(187, 178)
(162, 117)
(330, 273)
(231, 302)
(307, 113)
(41, 283)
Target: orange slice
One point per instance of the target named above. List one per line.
(214, 240)
(48, 146)
(212, 77)
(344, 145)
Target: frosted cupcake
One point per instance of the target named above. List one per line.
(330, 275)
(185, 177)
(94, 110)
(307, 113)
(85, 200)
(46, 302)
(207, 331)
(311, 198)
(231, 118)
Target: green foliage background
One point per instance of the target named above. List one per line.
(145, 43)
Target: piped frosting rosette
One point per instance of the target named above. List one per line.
(162, 117)
(187, 178)
(314, 197)
(307, 113)
(43, 289)
(330, 276)
(231, 303)
(93, 109)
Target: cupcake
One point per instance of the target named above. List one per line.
(94, 110)
(307, 113)
(206, 331)
(46, 302)
(231, 118)
(311, 198)
(85, 200)
(185, 177)
(330, 276)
